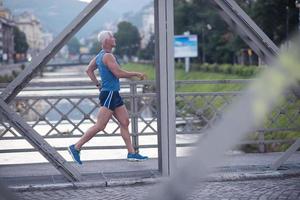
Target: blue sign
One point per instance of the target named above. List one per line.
(185, 46)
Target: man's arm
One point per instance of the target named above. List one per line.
(90, 72)
(110, 61)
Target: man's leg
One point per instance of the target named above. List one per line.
(103, 117)
(122, 116)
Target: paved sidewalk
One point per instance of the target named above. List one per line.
(253, 189)
(242, 176)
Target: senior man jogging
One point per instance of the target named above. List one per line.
(110, 100)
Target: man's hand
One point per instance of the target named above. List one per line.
(141, 76)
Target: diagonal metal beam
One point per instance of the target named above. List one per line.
(292, 149)
(43, 58)
(241, 23)
(39, 143)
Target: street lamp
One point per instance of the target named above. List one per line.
(287, 24)
(298, 6)
(208, 27)
(287, 21)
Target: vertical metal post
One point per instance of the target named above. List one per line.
(187, 64)
(203, 45)
(134, 117)
(187, 59)
(164, 62)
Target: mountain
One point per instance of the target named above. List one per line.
(54, 15)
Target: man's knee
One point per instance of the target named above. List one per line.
(124, 123)
(99, 127)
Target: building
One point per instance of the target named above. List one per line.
(6, 35)
(47, 39)
(4, 13)
(31, 26)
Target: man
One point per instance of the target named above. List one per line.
(110, 100)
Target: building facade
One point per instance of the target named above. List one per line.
(6, 35)
(31, 26)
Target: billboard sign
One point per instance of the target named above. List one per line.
(185, 46)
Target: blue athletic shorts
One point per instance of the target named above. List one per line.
(110, 99)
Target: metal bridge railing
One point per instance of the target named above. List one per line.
(63, 116)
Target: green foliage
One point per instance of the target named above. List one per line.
(264, 13)
(147, 69)
(21, 45)
(73, 46)
(148, 52)
(179, 65)
(280, 135)
(180, 74)
(128, 39)
(14, 73)
(8, 78)
(243, 71)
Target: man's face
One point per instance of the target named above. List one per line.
(111, 40)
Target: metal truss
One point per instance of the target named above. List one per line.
(230, 12)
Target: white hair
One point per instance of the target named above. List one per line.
(103, 35)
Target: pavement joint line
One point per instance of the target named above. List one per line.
(225, 177)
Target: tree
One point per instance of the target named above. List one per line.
(128, 39)
(20, 41)
(265, 12)
(74, 46)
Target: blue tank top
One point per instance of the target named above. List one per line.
(109, 81)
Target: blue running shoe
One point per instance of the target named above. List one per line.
(74, 153)
(136, 157)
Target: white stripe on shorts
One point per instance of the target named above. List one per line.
(108, 96)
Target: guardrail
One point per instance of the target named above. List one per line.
(66, 110)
